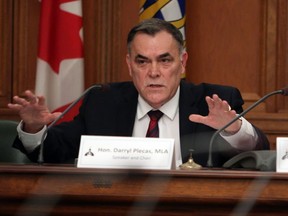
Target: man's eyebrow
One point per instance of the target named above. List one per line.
(164, 55)
(140, 56)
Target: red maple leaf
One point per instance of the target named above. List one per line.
(59, 37)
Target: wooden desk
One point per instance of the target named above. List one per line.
(64, 190)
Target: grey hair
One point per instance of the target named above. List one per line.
(153, 26)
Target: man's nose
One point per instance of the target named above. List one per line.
(154, 70)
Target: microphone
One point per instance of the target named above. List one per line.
(283, 91)
(97, 86)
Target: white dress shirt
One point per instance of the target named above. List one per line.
(168, 124)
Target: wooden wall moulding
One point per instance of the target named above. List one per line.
(25, 44)
(282, 54)
(274, 62)
(105, 30)
(6, 11)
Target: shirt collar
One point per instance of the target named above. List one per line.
(169, 109)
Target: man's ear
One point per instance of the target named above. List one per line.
(184, 58)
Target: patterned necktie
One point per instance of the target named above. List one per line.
(153, 129)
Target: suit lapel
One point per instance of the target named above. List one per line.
(187, 106)
(127, 111)
(190, 97)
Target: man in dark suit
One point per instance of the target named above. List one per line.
(156, 61)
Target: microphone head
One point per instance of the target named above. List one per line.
(285, 91)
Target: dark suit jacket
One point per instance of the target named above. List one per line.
(112, 113)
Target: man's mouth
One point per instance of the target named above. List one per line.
(154, 85)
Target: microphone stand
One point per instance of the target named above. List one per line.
(40, 158)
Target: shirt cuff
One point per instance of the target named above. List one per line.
(245, 139)
(30, 141)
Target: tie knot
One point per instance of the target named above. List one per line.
(155, 114)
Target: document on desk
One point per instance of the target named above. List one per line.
(125, 152)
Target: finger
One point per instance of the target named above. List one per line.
(216, 98)
(34, 100)
(221, 104)
(210, 102)
(41, 100)
(29, 93)
(197, 118)
(226, 106)
(217, 101)
(20, 101)
(15, 107)
(56, 114)
(233, 113)
(31, 97)
(53, 116)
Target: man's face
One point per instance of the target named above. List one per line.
(156, 66)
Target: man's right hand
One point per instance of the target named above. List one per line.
(33, 111)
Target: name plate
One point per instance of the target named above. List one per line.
(282, 154)
(125, 152)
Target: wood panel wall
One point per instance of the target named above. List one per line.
(233, 42)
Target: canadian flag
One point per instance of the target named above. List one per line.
(60, 63)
